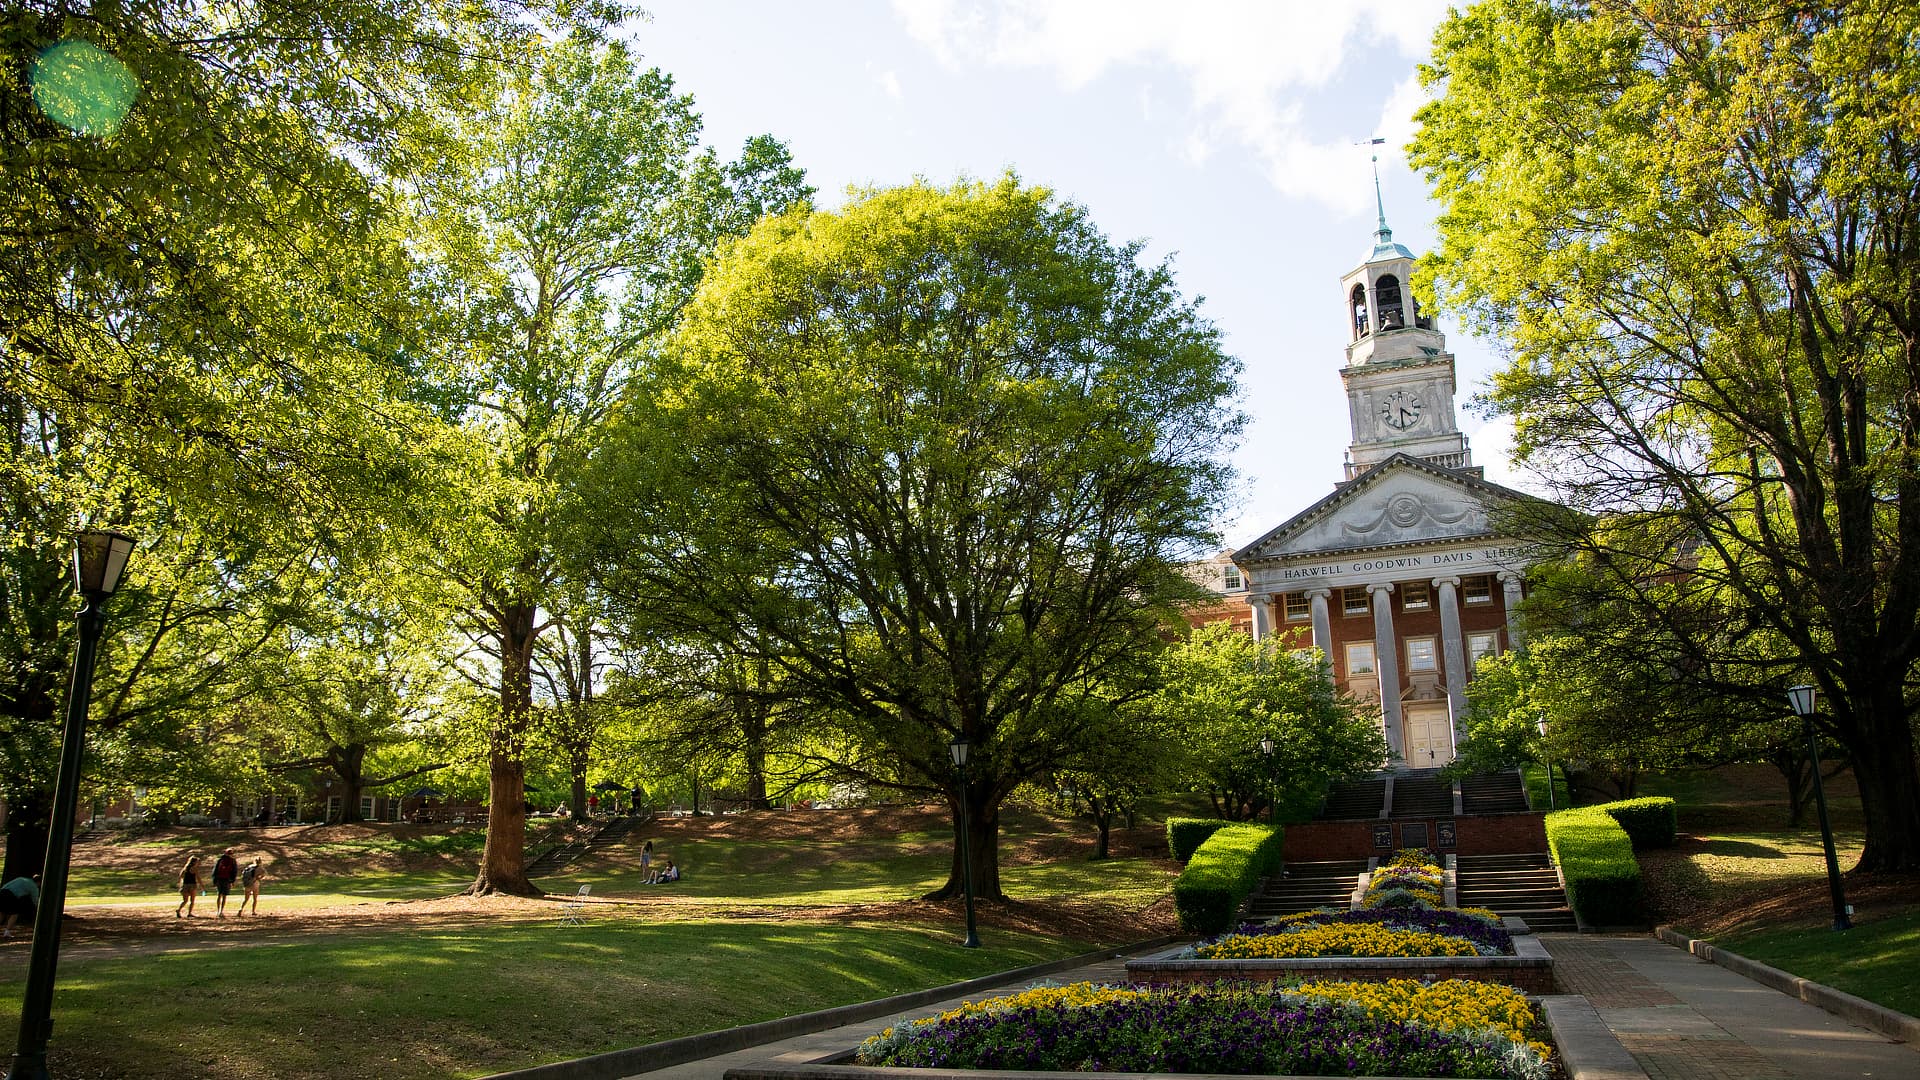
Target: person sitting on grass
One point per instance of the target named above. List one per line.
(667, 872)
(19, 897)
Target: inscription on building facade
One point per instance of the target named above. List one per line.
(1494, 556)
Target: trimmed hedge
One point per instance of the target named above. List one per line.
(1222, 873)
(1650, 823)
(1186, 834)
(1596, 859)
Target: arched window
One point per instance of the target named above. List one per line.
(1387, 289)
(1359, 312)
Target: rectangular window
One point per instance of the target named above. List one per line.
(1420, 654)
(1359, 658)
(1354, 601)
(1415, 596)
(1298, 607)
(366, 808)
(1233, 577)
(1481, 646)
(1477, 590)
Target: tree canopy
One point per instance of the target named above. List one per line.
(936, 457)
(1693, 225)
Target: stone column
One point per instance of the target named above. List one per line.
(1386, 661)
(1510, 588)
(1322, 623)
(1453, 655)
(1262, 605)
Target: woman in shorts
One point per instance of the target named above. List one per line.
(189, 886)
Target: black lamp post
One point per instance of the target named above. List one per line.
(1273, 782)
(959, 748)
(1801, 698)
(98, 559)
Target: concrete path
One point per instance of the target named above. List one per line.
(1683, 1018)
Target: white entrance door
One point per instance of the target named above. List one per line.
(1429, 742)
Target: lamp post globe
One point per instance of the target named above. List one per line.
(99, 558)
(1800, 698)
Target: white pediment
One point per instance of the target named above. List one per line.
(1402, 501)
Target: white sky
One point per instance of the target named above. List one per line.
(1221, 131)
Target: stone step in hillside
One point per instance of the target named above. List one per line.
(1303, 886)
(1515, 886)
(609, 834)
(1418, 795)
(1493, 793)
(1355, 800)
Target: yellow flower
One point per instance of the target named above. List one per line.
(1337, 940)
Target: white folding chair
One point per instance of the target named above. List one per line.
(573, 909)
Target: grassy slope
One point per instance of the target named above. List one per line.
(477, 996)
(1744, 878)
(471, 1000)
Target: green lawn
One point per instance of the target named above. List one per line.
(1874, 960)
(461, 997)
(1739, 852)
(471, 1000)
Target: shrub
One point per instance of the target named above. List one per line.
(1650, 823)
(1222, 872)
(1596, 859)
(1186, 834)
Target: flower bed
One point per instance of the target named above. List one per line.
(1370, 932)
(1324, 1029)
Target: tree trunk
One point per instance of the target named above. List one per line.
(1103, 818)
(349, 764)
(1889, 791)
(577, 796)
(983, 845)
(503, 863)
(1792, 766)
(28, 812)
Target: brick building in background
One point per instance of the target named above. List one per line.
(1398, 575)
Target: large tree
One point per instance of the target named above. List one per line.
(568, 248)
(935, 457)
(1696, 227)
(201, 287)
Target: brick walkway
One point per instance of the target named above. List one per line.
(1685, 1019)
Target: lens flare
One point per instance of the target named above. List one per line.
(83, 88)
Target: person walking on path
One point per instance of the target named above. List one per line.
(593, 806)
(19, 897)
(225, 870)
(250, 882)
(189, 885)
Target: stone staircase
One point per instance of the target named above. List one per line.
(1522, 886)
(1422, 794)
(609, 834)
(1493, 793)
(1302, 886)
(1354, 800)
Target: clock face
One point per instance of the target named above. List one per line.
(1401, 410)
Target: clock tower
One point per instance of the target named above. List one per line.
(1399, 374)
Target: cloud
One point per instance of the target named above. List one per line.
(889, 84)
(1250, 66)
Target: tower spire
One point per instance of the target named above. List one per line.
(1381, 235)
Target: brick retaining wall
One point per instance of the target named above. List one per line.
(1530, 971)
(1520, 833)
